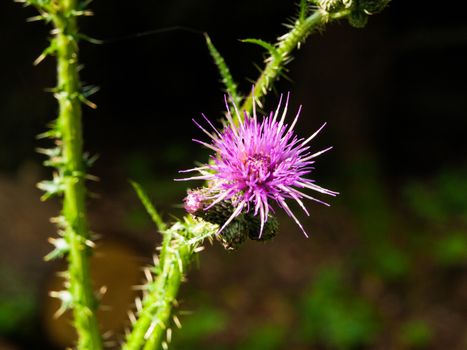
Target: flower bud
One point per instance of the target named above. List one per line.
(358, 19)
(234, 235)
(197, 202)
(271, 226)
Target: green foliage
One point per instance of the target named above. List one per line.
(336, 317)
(224, 71)
(389, 262)
(441, 203)
(452, 249)
(265, 337)
(151, 210)
(423, 202)
(368, 199)
(264, 44)
(375, 219)
(137, 219)
(15, 310)
(303, 8)
(442, 199)
(17, 303)
(206, 321)
(416, 334)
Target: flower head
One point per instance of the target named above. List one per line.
(257, 163)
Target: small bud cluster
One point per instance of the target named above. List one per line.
(199, 202)
(359, 9)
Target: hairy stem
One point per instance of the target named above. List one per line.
(284, 47)
(152, 329)
(149, 330)
(72, 171)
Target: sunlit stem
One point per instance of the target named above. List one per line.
(154, 319)
(301, 29)
(74, 210)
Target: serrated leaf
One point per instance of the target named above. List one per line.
(224, 71)
(151, 210)
(264, 44)
(303, 9)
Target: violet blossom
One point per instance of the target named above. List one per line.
(258, 162)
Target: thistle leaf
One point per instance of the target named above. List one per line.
(151, 210)
(303, 9)
(264, 44)
(224, 71)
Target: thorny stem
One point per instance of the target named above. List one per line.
(152, 327)
(71, 168)
(286, 44)
(74, 209)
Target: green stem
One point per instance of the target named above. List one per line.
(287, 43)
(74, 210)
(152, 327)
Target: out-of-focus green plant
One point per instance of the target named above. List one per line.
(376, 220)
(265, 337)
(334, 315)
(199, 326)
(415, 334)
(441, 199)
(18, 304)
(441, 204)
(15, 310)
(452, 249)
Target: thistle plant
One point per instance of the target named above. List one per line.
(258, 162)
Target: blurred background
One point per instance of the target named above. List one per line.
(385, 266)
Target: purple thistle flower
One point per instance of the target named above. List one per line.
(258, 162)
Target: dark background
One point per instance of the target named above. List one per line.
(385, 267)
